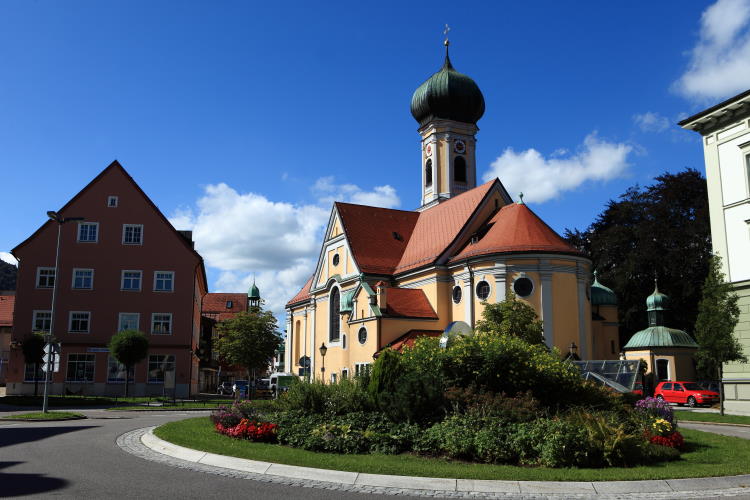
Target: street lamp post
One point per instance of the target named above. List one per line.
(323, 350)
(48, 337)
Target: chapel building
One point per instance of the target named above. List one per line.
(386, 276)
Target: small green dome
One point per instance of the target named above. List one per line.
(253, 293)
(660, 336)
(449, 95)
(657, 301)
(601, 295)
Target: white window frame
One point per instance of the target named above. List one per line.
(34, 315)
(112, 198)
(70, 322)
(171, 323)
(156, 279)
(345, 374)
(73, 282)
(149, 380)
(125, 228)
(123, 314)
(334, 377)
(122, 280)
(360, 367)
(78, 234)
(87, 361)
(39, 275)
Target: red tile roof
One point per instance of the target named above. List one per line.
(408, 339)
(408, 303)
(438, 227)
(370, 233)
(303, 294)
(515, 228)
(7, 303)
(215, 305)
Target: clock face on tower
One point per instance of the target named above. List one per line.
(459, 147)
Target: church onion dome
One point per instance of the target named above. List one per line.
(657, 301)
(447, 95)
(253, 293)
(660, 336)
(601, 295)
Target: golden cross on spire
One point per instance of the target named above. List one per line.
(445, 32)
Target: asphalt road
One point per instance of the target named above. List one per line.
(79, 459)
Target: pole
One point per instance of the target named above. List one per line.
(48, 337)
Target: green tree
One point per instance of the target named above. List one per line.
(248, 340)
(661, 230)
(32, 347)
(7, 276)
(512, 317)
(718, 314)
(129, 347)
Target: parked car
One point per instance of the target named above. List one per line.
(239, 386)
(638, 389)
(224, 388)
(280, 382)
(263, 384)
(688, 393)
(710, 385)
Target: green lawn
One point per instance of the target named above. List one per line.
(52, 415)
(708, 455)
(711, 417)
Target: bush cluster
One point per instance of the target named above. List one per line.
(487, 398)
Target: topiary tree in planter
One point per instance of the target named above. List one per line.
(129, 347)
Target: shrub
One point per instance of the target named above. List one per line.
(225, 417)
(520, 408)
(315, 397)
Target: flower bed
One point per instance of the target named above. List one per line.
(239, 421)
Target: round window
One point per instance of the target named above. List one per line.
(362, 335)
(456, 294)
(483, 290)
(523, 287)
(336, 260)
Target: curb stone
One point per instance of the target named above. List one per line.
(144, 444)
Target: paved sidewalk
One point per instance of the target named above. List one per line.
(143, 443)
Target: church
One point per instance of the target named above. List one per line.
(385, 277)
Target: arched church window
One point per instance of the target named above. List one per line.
(428, 173)
(334, 323)
(459, 169)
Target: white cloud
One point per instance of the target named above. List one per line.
(720, 62)
(651, 122)
(246, 234)
(381, 196)
(541, 179)
(242, 233)
(6, 257)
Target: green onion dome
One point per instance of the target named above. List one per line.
(447, 95)
(657, 301)
(601, 295)
(253, 293)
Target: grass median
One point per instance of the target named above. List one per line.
(52, 415)
(707, 455)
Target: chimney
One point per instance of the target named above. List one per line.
(381, 291)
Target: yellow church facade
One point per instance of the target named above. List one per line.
(385, 277)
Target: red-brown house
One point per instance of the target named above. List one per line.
(123, 267)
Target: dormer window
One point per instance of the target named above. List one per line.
(397, 236)
(112, 201)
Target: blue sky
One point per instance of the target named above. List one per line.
(244, 120)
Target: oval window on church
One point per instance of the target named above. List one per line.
(523, 287)
(362, 335)
(483, 290)
(456, 294)
(336, 260)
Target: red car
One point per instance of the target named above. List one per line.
(688, 393)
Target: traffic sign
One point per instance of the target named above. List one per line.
(51, 361)
(50, 348)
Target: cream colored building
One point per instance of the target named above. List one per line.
(386, 276)
(725, 132)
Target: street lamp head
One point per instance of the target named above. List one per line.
(323, 349)
(53, 215)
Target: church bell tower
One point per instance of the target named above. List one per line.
(447, 107)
